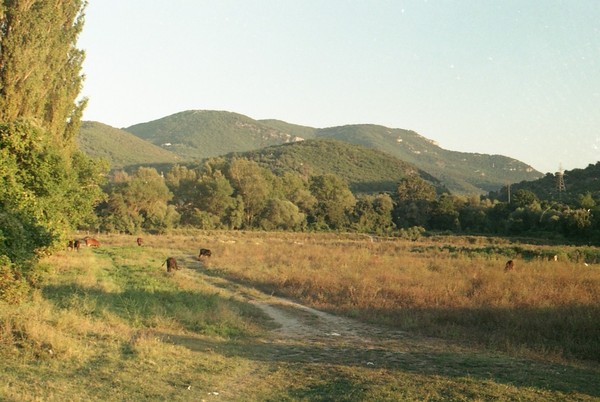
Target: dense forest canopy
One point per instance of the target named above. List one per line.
(237, 192)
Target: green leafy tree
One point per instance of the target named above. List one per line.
(414, 197)
(294, 188)
(139, 202)
(586, 201)
(40, 66)
(253, 184)
(373, 214)
(49, 187)
(444, 215)
(335, 202)
(183, 183)
(282, 215)
(215, 194)
(577, 221)
(522, 198)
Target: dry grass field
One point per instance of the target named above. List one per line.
(453, 291)
(286, 317)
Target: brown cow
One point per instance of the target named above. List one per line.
(91, 242)
(509, 265)
(171, 264)
(139, 241)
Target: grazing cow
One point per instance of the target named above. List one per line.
(509, 265)
(139, 241)
(91, 242)
(204, 252)
(77, 245)
(71, 245)
(171, 264)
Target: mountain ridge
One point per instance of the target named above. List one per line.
(194, 135)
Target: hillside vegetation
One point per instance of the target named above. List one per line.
(120, 148)
(365, 170)
(195, 135)
(461, 172)
(577, 182)
(198, 134)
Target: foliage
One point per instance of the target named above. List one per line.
(138, 202)
(365, 170)
(48, 186)
(251, 183)
(47, 191)
(199, 134)
(40, 66)
(373, 214)
(122, 150)
(281, 215)
(196, 134)
(234, 193)
(334, 202)
(13, 287)
(578, 183)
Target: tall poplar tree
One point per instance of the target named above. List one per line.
(40, 65)
(47, 186)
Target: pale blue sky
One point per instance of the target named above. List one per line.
(519, 78)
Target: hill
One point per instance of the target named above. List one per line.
(195, 134)
(120, 148)
(461, 172)
(366, 170)
(576, 182)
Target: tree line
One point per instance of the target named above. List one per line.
(240, 194)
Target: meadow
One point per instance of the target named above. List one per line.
(111, 324)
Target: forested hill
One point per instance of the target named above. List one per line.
(120, 148)
(576, 183)
(461, 172)
(365, 170)
(196, 134)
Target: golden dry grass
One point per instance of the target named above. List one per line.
(111, 324)
(542, 307)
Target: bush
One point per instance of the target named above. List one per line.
(13, 288)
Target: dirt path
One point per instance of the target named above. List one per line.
(303, 337)
(304, 334)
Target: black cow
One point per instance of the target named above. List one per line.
(77, 245)
(71, 245)
(171, 264)
(204, 252)
(509, 265)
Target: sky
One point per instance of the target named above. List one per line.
(519, 78)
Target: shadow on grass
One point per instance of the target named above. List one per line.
(193, 310)
(187, 308)
(485, 367)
